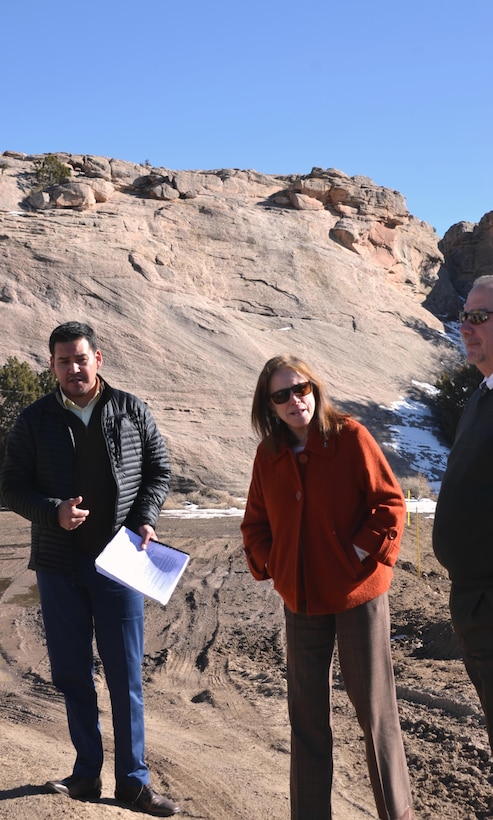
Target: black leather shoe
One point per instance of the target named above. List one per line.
(147, 800)
(79, 788)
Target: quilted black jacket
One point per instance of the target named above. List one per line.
(39, 471)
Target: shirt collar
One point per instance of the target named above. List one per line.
(72, 405)
(488, 382)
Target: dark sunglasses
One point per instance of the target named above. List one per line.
(282, 396)
(475, 317)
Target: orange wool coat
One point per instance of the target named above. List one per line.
(305, 512)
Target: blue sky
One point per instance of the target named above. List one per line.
(397, 91)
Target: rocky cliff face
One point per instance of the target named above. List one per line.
(468, 252)
(194, 279)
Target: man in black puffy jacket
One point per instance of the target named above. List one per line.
(80, 463)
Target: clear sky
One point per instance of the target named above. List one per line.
(397, 91)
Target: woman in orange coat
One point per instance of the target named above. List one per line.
(323, 519)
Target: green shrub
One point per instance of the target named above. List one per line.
(50, 171)
(19, 386)
(454, 389)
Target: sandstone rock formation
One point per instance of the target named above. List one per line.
(194, 278)
(468, 252)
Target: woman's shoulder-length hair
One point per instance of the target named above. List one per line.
(268, 426)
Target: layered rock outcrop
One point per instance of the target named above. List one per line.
(468, 251)
(194, 278)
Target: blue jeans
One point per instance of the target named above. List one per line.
(74, 609)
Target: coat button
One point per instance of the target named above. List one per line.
(302, 458)
(392, 534)
(298, 495)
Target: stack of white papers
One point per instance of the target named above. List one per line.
(154, 571)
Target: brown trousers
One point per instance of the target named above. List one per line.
(363, 640)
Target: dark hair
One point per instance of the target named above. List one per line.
(70, 331)
(268, 426)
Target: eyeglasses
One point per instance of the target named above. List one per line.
(282, 396)
(475, 317)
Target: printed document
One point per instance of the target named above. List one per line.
(154, 571)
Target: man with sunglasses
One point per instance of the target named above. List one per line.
(80, 463)
(463, 529)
